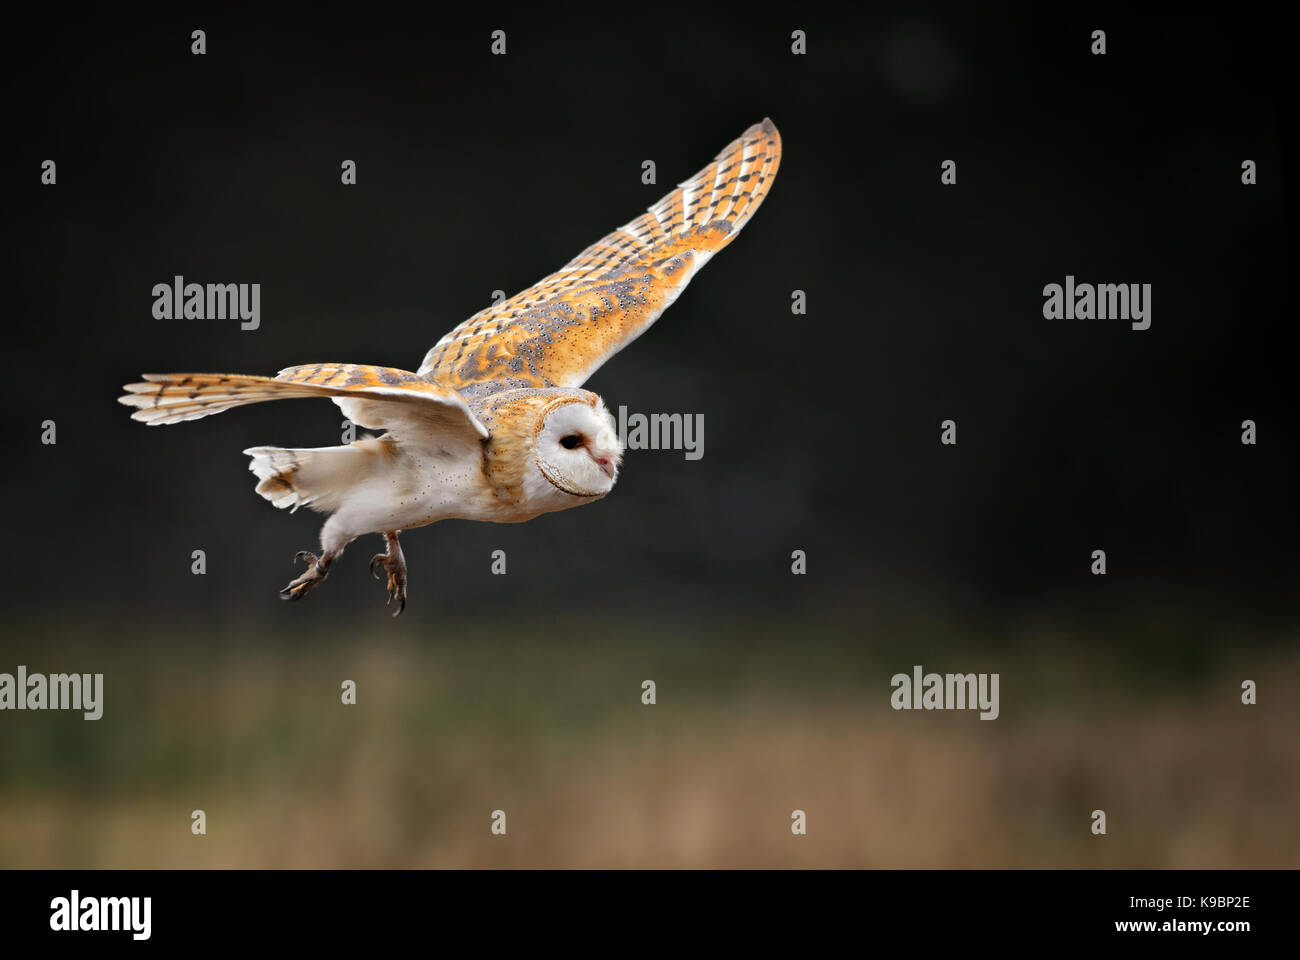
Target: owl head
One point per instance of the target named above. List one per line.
(576, 446)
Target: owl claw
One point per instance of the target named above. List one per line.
(395, 564)
(314, 574)
(396, 581)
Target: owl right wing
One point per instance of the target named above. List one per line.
(560, 330)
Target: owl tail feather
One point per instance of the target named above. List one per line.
(316, 477)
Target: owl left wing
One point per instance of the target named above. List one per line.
(377, 398)
(560, 330)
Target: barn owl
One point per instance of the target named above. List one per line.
(494, 425)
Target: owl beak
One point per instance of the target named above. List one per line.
(607, 461)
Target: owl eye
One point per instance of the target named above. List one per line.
(571, 442)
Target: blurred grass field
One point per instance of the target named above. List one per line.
(753, 720)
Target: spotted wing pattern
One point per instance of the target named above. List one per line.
(559, 331)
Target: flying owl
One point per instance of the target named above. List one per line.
(494, 425)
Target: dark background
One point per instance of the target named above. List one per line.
(821, 431)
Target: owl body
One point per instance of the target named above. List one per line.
(511, 476)
(494, 426)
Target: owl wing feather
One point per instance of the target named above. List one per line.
(560, 330)
(377, 398)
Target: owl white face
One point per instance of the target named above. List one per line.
(576, 447)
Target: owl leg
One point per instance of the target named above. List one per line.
(395, 564)
(317, 571)
(333, 539)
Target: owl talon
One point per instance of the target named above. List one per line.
(396, 583)
(395, 564)
(302, 585)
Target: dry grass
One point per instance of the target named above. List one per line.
(590, 778)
